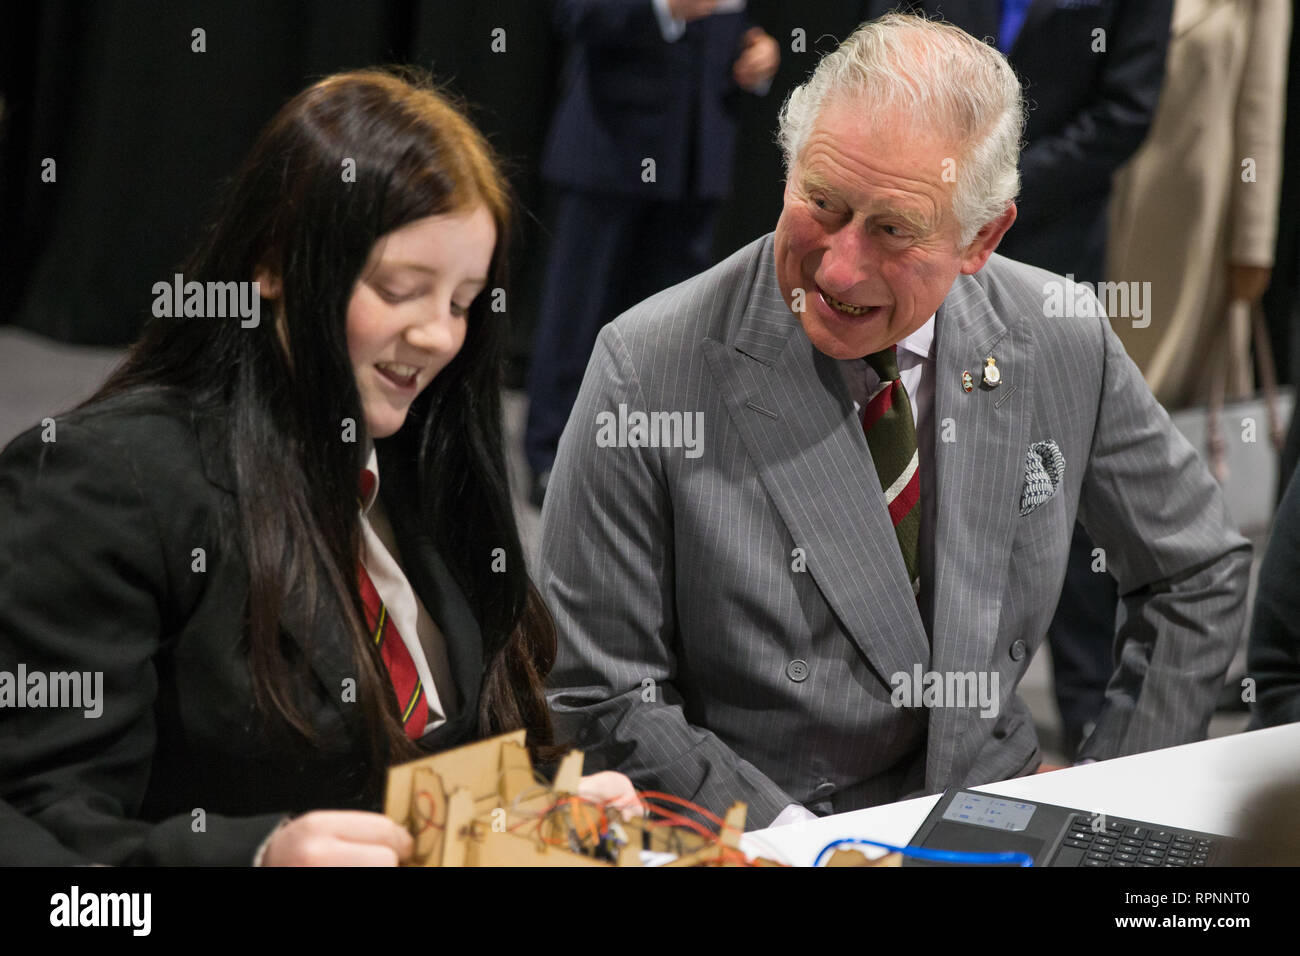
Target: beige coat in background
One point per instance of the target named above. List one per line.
(1181, 210)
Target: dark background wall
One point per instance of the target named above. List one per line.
(143, 130)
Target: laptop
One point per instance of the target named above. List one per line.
(971, 822)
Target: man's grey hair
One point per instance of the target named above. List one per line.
(947, 82)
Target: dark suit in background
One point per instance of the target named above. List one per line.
(1092, 72)
(98, 531)
(1089, 111)
(1273, 654)
(618, 234)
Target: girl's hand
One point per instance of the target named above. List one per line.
(612, 789)
(340, 838)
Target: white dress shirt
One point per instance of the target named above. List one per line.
(420, 634)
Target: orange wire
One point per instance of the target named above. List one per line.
(578, 814)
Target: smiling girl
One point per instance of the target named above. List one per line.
(288, 548)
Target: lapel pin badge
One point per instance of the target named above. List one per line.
(992, 376)
(967, 383)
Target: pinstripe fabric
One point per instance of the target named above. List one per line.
(686, 586)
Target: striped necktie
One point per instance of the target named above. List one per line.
(401, 668)
(891, 435)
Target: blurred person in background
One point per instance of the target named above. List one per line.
(1273, 652)
(639, 158)
(1195, 211)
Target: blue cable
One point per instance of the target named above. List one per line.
(924, 853)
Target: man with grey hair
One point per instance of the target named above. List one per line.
(828, 599)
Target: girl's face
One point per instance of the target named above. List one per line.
(407, 315)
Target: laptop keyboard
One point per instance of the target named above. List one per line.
(1131, 844)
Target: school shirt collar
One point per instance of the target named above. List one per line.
(372, 465)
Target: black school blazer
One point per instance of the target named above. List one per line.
(98, 536)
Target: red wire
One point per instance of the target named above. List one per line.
(648, 798)
(676, 819)
(702, 811)
(429, 816)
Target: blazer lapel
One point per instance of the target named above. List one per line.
(980, 473)
(790, 405)
(328, 654)
(432, 580)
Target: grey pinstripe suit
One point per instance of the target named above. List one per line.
(682, 571)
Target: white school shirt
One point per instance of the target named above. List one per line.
(420, 633)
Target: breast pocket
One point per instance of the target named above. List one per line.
(1040, 551)
(1045, 527)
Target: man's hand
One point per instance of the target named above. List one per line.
(1049, 767)
(339, 838)
(758, 60)
(613, 789)
(1248, 283)
(688, 10)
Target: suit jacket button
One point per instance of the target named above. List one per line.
(824, 789)
(797, 670)
(1017, 650)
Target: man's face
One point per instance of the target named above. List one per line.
(868, 233)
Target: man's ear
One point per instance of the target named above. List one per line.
(986, 240)
(268, 285)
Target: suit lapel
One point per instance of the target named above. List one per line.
(980, 474)
(793, 412)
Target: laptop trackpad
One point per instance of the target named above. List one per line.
(969, 839)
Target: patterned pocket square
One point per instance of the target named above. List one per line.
(1044, 469)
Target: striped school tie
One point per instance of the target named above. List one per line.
(401, 668)
(891, 436)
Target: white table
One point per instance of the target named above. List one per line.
(1201, 786)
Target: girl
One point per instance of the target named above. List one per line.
(275, 553)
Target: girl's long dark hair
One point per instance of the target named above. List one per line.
(345, 162)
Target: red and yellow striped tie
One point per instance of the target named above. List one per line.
(891, 435)
(396, 657)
